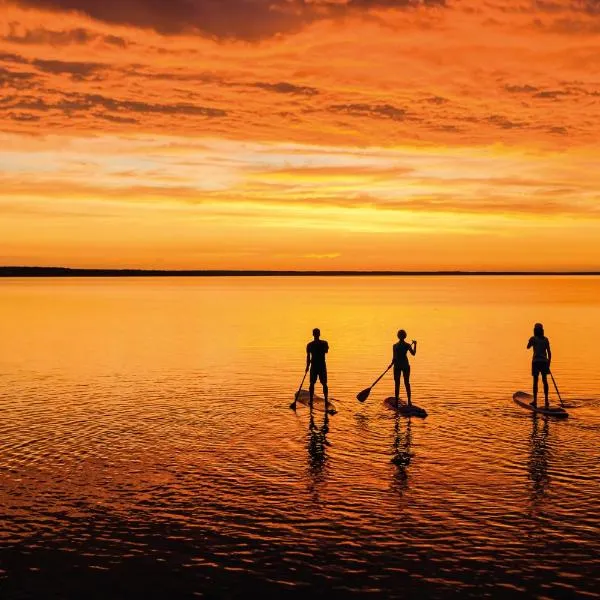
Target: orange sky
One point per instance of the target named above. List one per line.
(332, 134)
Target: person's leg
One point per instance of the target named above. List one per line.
(323, 379)
(407, 384)
(545, 384)
(397, 386)
(535, 387)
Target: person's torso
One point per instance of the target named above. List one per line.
(539, 345)
(317, 350)
(400, 353)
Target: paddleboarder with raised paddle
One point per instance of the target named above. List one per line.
(401, 365)
(540, 362)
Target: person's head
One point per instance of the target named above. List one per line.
(538, 330)
(402, 335)
(317, 333)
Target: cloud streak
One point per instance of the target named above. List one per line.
(245, 19)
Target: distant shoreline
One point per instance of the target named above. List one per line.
(68, 272)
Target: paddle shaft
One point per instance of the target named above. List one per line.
(293, 404)
(556, 388)
(301, 384)
(377, 380)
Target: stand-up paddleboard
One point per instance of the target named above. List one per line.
(404, 409)
(318, 402)
(523, 399)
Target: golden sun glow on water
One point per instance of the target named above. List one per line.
(146, 422)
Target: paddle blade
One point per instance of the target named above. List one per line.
(362, 396)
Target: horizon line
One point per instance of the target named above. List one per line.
(22, 271)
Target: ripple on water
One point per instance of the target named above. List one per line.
(155, 479)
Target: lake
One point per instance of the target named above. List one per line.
(147, 448)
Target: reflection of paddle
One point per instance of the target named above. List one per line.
(362, 396)
(293, 404)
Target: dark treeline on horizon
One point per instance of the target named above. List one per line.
(68, 272)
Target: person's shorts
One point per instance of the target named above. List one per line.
(401, 369)
(540, 366)
(319, 373)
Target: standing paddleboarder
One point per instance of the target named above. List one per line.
(315, 360)
(540, 363)
(401, 366)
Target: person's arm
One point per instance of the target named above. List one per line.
(412, 348)
(307, 356)
(393, 357)
(326, 347)
(530, 343)
(549, 352)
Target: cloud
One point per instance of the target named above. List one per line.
(86, 102)
(78, 70)
(591, 7)
(13, 58)
(15, 79)
(43, 36)
(437, 100)
(385, 111)
(551, 94)
(117, 119)
(287, 88)
(521, 89)
(23, 117)
(504, 123)
(89, 101)
(245, 19)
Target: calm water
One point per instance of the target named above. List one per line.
(147, 448)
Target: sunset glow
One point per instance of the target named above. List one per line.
(282, 134)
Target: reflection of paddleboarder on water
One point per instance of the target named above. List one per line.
(401, 454)
(315, 360)
(401, 366)
(540, 364)
(538, 459)
(401, 447)
(317, 457)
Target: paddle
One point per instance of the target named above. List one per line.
(362, 396)
(293, 404)
(556, 388)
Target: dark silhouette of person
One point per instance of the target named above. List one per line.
(315, 360)
(540, 363)
(400, 352)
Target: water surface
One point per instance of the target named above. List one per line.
(147, 448)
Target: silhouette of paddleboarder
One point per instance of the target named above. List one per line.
(315, 361)
(540, 362)
(400, 352)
